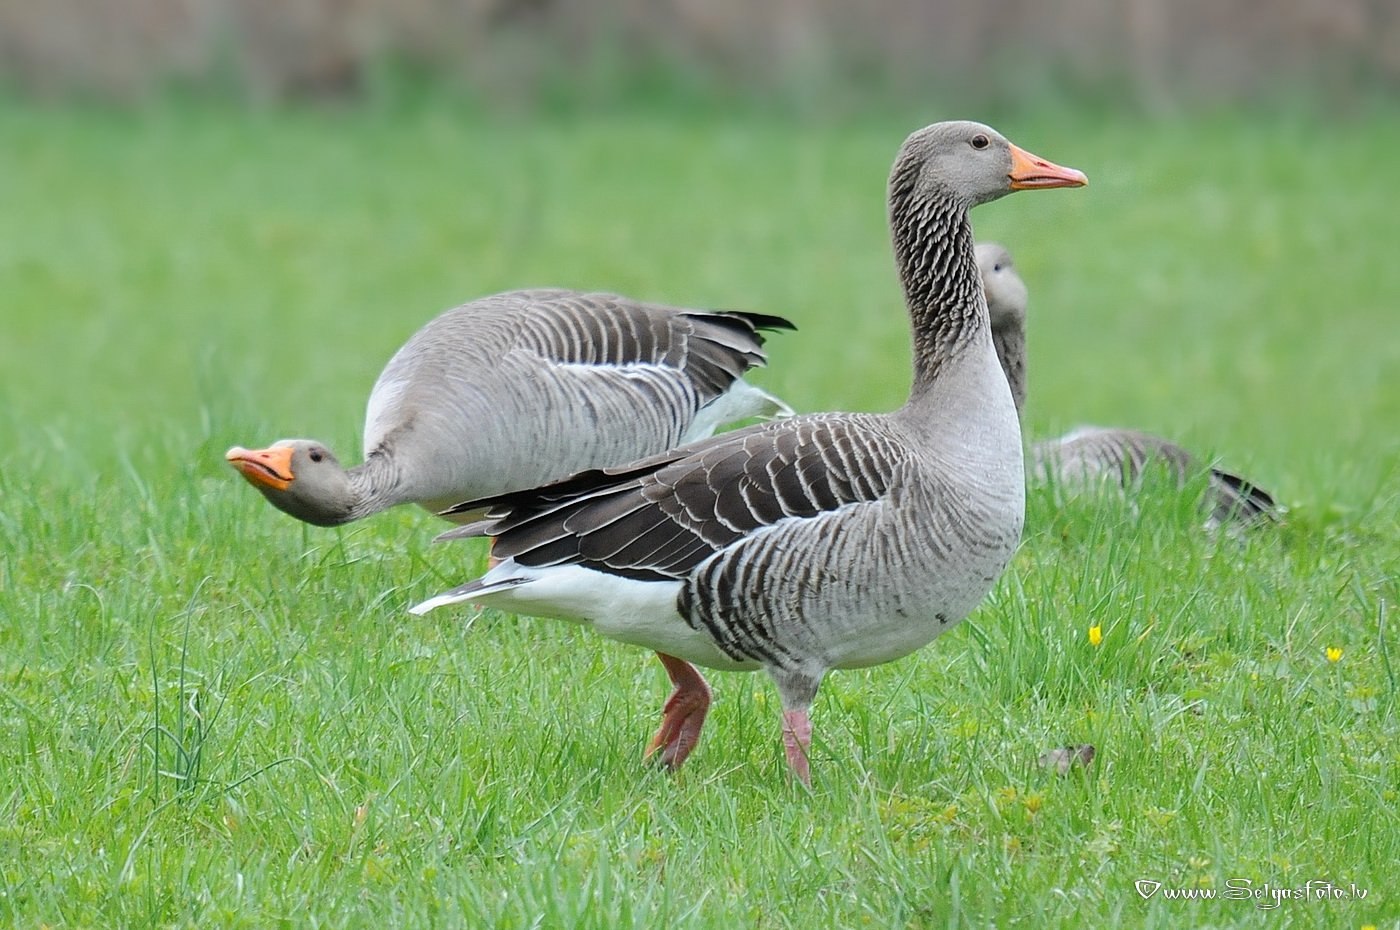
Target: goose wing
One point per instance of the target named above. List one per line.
(661, 517)
(713, 348)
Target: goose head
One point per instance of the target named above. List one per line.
(1006, 292)
(970, 164)
(300, 477)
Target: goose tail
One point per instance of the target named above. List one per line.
(472, 590)
(1237, 500)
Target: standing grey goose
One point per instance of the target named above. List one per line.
(513, 390)
(824, 541)
(1093, 454)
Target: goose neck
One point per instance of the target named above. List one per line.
(374, 485)
(1010, 343)
(937, 266)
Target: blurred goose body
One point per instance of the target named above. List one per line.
(1095, 455)
(520, 388)
(823, 541)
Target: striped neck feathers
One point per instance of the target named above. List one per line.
(935, 254)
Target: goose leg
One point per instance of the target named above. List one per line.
(797, 740)
(798, 689)
(683, 714)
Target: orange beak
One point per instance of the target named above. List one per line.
(270, 467)
(1029, 172)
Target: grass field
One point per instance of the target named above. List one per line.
(216, 717)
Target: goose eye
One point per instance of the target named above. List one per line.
(316, 455)
(980, 141)
(997, 267)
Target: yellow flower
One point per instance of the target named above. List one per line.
(1095, 635)
(1334, 653)
(1368, 927)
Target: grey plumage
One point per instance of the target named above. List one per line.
(520, 388)
(661, 517)
(823, 541)
(1092, 455)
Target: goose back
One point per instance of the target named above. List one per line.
(516, 389)
(1092, 455)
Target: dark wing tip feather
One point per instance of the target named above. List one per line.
(1251, 501)
(764, 321)
(743, 323)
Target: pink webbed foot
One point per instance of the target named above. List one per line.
(683, 715)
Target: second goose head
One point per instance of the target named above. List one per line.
(300, 477)
(1006, 292)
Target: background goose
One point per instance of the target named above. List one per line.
(1091, 454)
(823, 541)
(517, 389)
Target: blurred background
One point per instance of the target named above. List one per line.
(1158, 53)
(220, 217)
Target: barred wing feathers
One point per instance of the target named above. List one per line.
(714, 348)
(658, 519)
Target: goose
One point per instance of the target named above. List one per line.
(511, 391)
(823, 541)
(1090, 455)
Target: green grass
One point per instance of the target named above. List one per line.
(215, 717)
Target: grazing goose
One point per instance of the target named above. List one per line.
(1092, 454)
(823, 541)
(513, 390)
